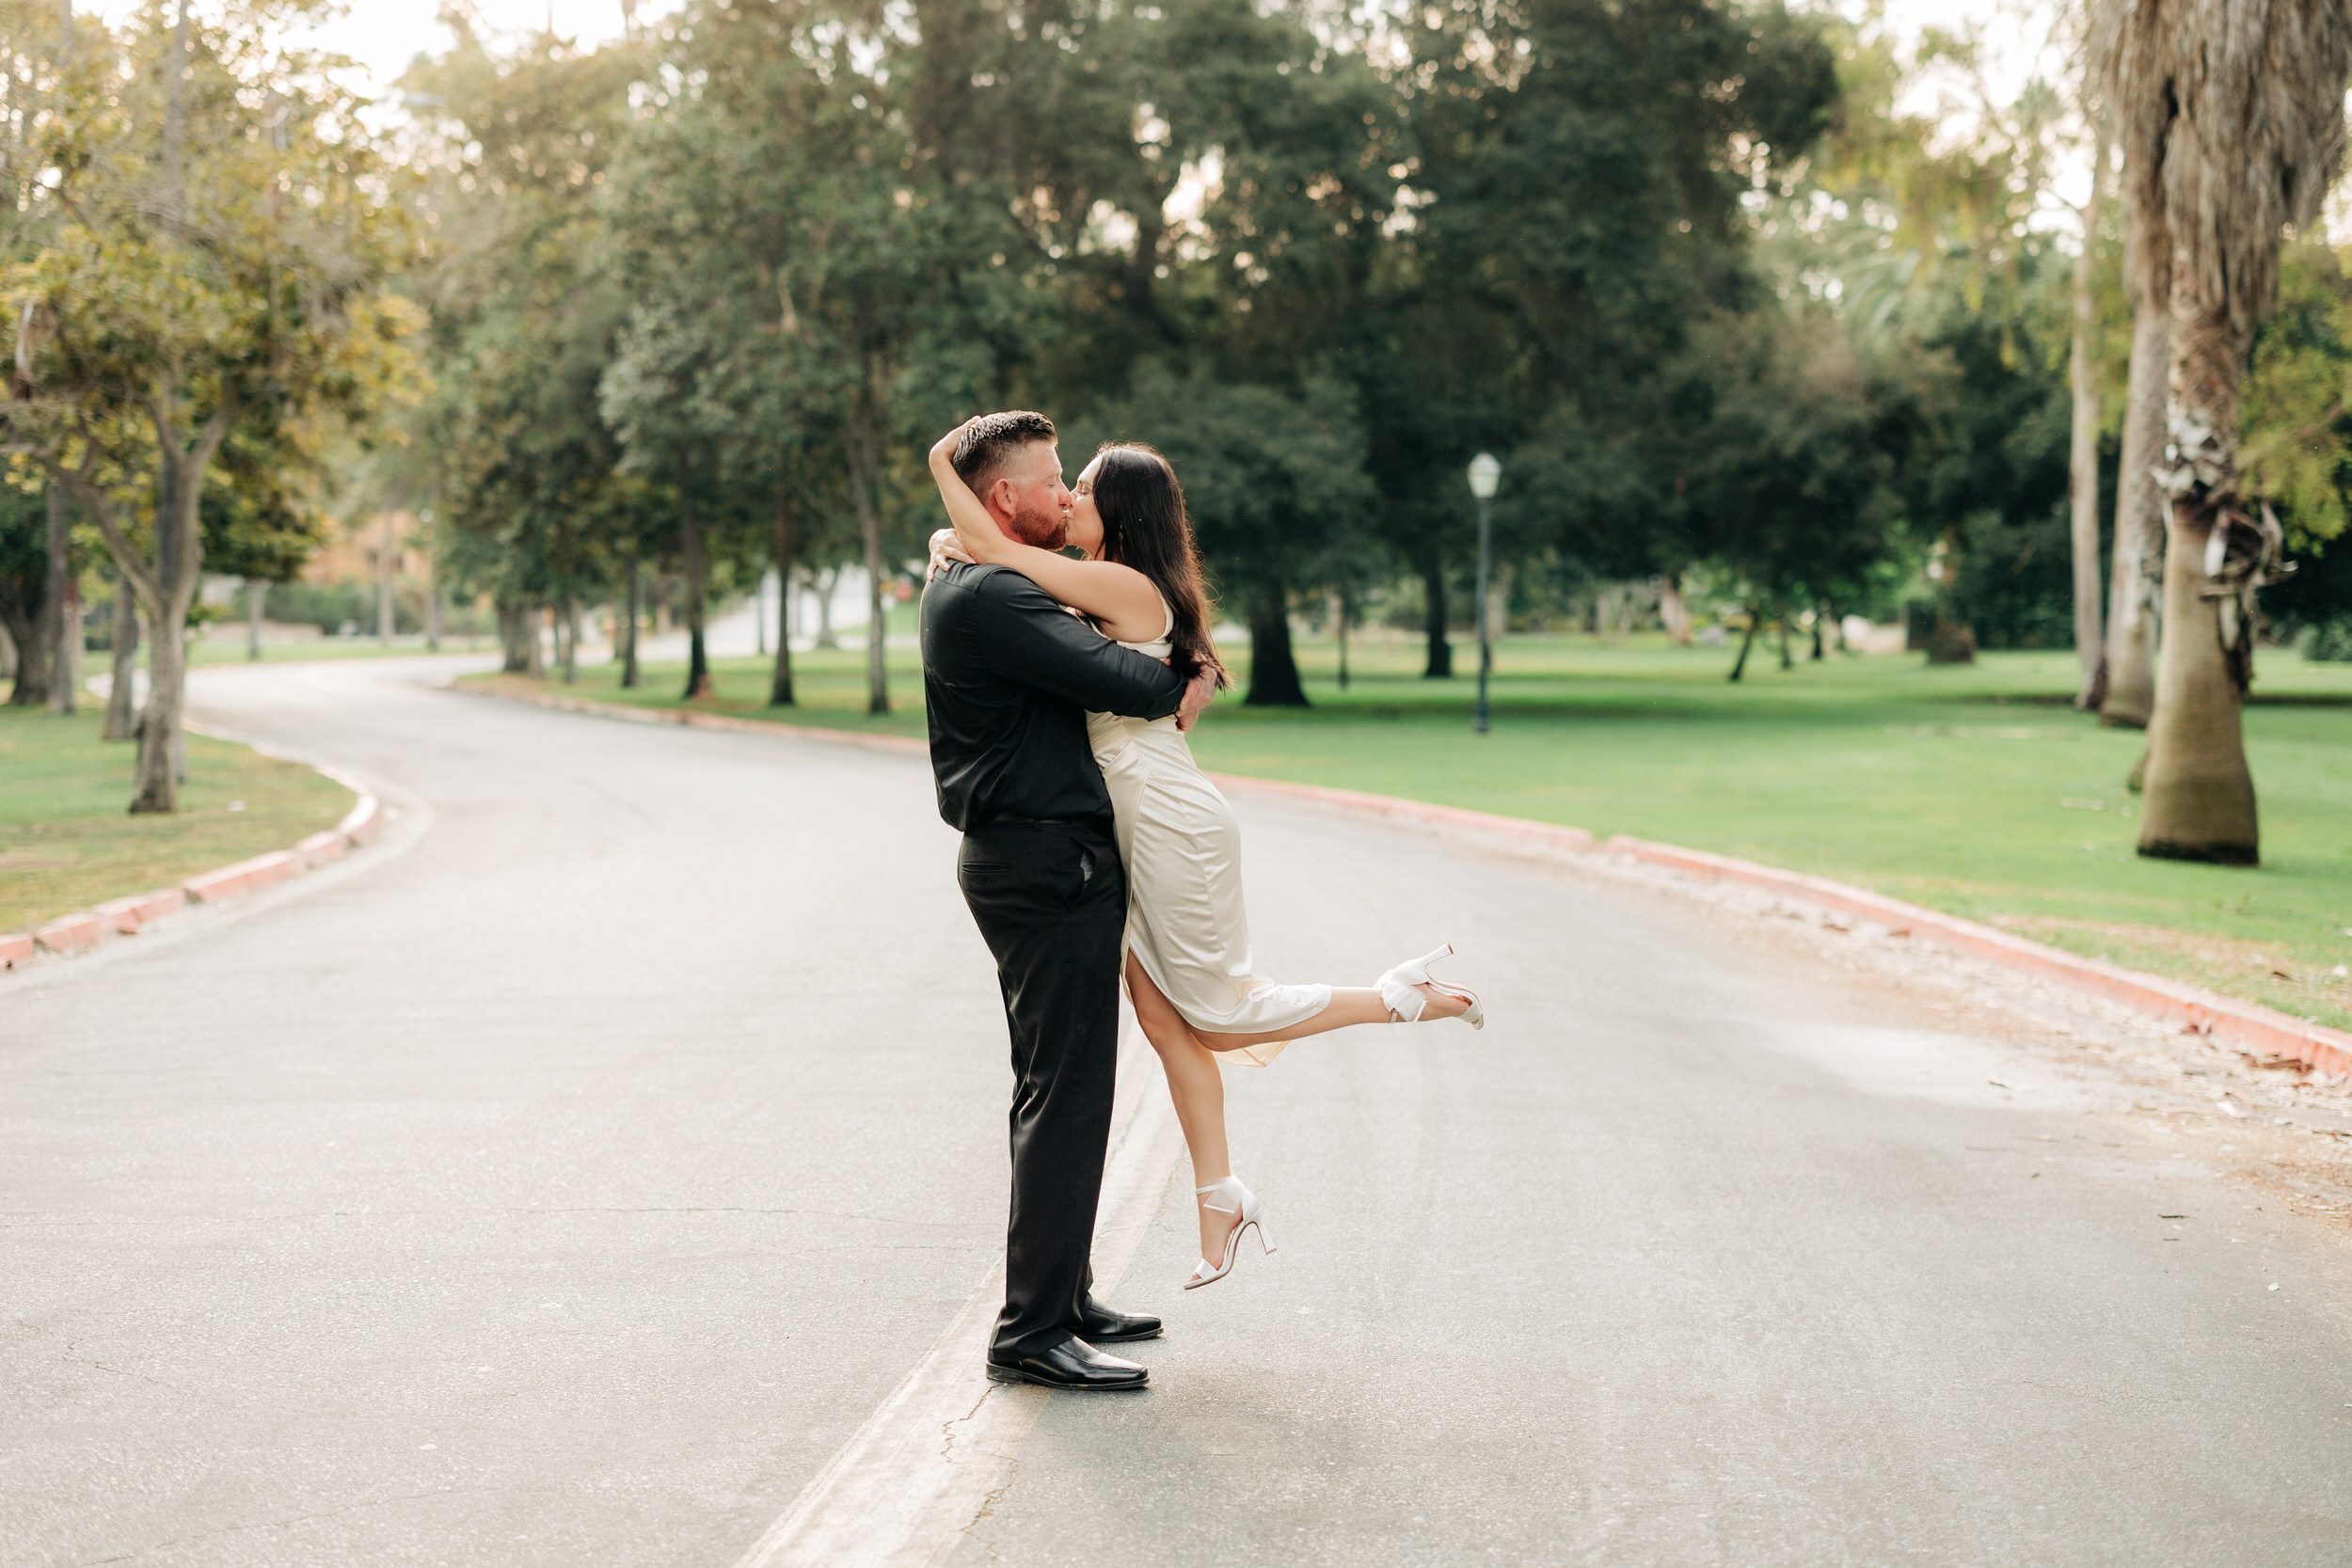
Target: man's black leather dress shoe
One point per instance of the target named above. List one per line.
(1073, 1365)
(1099, 1325)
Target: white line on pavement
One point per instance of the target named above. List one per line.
(904, 1488)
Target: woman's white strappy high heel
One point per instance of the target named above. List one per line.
(1399, 988)
(1242, 1204)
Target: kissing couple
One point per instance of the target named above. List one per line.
(1095, 850)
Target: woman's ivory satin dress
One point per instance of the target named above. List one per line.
(1186, 919)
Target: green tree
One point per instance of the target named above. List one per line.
(522, 474)
(219, 252)
(1270, 481)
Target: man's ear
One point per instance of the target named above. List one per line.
(1000, 500)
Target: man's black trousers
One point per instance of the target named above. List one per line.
(1051, 900)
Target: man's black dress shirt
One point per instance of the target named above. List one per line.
(1010, 676)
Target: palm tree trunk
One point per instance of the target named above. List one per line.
(2200, 798)
(2199, 794)
(2083, 458)
(2136, 578)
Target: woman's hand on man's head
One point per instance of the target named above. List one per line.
(945, 447)
(945, 549)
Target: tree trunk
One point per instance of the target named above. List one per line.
(511, 637)
(534, 646)
(568, 639)
(122, 718)
(1819, 614)
(628, 625)
(62, 607)
(826, 582)
(1747, 640)
(1673, 610)
(1780, 615)
(432, 603)
(2083, 458)
(1340, 621)
(1441, 666)
(2199, 794)
(786, 543)
(386, 555)
(2136, 580)
(30, 629)
(858, 442)
(1273, 671)
(693, 588)
(254, 591)
(160, 762)
(180, 562)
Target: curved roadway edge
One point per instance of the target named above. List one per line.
(2261, 1031)
(83, 932)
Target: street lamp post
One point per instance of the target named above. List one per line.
(1484, 474)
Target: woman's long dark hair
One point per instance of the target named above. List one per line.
(1144, 527)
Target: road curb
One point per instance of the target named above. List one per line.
(70, 935)
(2256, 1029)
(2247, 1025)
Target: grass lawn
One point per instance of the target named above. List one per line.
(1973, 790)
(67, 842)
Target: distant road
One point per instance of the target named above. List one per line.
(566, 1188)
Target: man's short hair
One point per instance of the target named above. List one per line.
(987, 445)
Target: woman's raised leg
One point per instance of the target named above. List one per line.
(1350, 1005)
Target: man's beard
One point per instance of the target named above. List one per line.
(1046, 529)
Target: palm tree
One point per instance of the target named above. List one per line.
(2230, 113)
(2136, 580)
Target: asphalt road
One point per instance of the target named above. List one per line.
(565, 1181)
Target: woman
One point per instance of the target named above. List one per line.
(1187, 965)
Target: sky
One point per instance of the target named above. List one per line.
(384, 35)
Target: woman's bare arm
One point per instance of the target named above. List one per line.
(1120, 600)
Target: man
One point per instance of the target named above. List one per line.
(1010, 676)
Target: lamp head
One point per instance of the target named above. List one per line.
(1485, 474)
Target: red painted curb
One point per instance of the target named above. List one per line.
(130, 915)
(71, 933)
(81, 931)
(235, 882)
(360, 824)
(2243, 1023)
(319, 849)
(2246, 1025)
